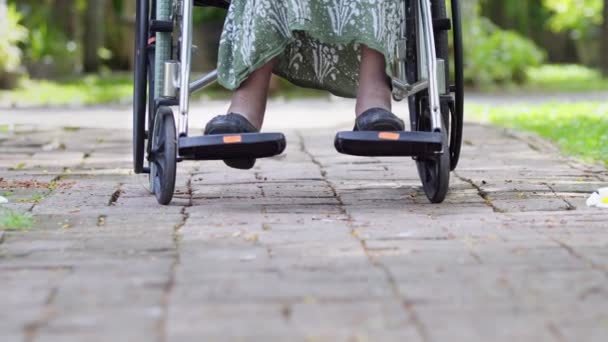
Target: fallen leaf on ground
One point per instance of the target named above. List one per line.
(54, 145)
(356, 232)
(18, 167)
(253, 238)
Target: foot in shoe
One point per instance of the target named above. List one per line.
(228, 124)
(378, 119)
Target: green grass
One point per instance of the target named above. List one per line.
(113, 88)
(118, 87)
(567, 77)
(579, 129)
(552, 78)
(13, 220)
(87, 90)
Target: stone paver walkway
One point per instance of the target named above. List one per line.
(310, 245)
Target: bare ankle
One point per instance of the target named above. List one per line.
(250, 98)
(374, 90)
(378, 96)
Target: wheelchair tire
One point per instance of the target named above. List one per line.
(434, 172)
(140, 76)
(163, 156)
(151, 116)
(457, 110)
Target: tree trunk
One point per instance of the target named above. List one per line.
(495, 11)
(128, 47)
(120, 36)
(64, 13)
(604, 37)
(93, 34)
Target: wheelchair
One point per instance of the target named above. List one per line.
(163, 46)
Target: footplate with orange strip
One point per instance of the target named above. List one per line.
(389, 144)
(231, 146)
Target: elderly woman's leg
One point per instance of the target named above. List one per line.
(246, 112)
(249, 99)
(373, 107)
(374, 90)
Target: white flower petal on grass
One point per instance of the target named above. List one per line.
(593, 200)
(599, 199)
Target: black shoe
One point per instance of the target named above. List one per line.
(378, 119)
(232, 123)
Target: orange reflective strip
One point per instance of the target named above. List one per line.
(232, 139)
(388, 135)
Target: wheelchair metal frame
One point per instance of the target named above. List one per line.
(420, 72)
(172, 76)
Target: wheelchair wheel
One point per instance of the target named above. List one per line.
(140, 76)
(151, 110)
(144, 104)
(163, 156)
(434, 172)
(457, 109)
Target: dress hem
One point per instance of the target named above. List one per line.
(267, 57)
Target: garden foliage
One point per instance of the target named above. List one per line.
(494, 55)
(12, 33)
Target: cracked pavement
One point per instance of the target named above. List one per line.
(310, 245)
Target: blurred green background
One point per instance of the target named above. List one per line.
(78, 52)
(534, 44)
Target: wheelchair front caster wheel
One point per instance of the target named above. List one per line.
(163, 156)
(435, 175)
(434, 171)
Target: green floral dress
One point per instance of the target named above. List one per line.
(318, 42)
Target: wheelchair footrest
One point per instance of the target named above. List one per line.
(231, 146)
(389, 144)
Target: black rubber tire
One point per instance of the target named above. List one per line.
(151, 113)
(151, 102)
(140, 77)
(435, 177)
(456, 134)
(434, 172)
(164, 156)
